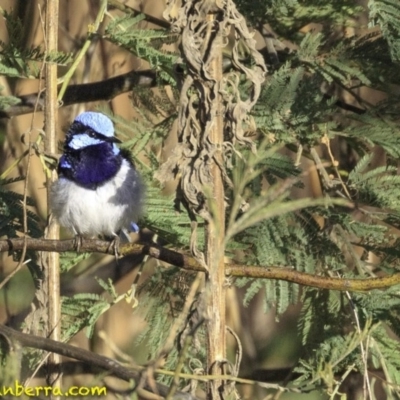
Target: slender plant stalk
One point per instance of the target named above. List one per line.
(215, 235)
(92, 29)
(50, 126)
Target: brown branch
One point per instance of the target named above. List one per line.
(85, 93)
(93, 359)
(189, 263)
(129, 10)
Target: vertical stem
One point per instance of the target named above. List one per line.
(50, 126)
(215, 233)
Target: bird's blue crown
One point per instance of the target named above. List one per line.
(91, 156)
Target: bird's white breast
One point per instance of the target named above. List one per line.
(103, 211)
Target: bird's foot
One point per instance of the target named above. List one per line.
(114, 246)
(78, 241)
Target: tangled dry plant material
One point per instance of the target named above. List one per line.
(203, 39)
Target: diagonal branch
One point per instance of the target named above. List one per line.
(85, 93)
(129, 10)
(93, 359)
(189, 263)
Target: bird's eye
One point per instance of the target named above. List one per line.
(91, 133)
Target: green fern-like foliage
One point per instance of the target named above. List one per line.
(291, 109)
(12, 214)
(162, 298)
(7, 101)
(144, 43)
(326, 348)
(18, 61)
(288, 16)
(15, 222)
(170, 225)
(376, 131)
(70, 260)
(82, 311)
(379, 187)
(385, 14)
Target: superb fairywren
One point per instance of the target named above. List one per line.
(99, 191)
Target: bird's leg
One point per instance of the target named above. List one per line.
(78, 240)
(114, 245)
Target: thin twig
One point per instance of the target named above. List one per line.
(239, 351)
(16, 269)
(335, 391)
(367, 385)
(320, 168)
(335, 164)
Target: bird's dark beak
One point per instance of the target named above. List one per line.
(112, 139)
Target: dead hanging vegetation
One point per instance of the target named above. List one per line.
(204, 99)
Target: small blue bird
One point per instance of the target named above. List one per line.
(99, 191)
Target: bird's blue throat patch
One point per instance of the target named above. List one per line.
(90, 166)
